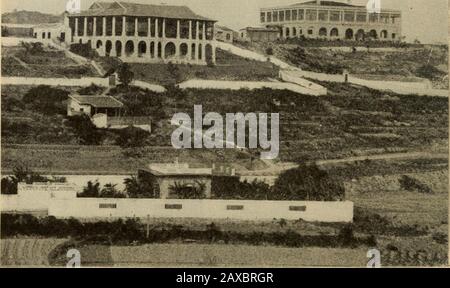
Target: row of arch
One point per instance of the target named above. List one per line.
(360, 34)
(156, 50)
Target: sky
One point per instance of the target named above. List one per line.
(424, 20)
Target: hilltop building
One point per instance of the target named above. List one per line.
(333, 20)
(145, 33)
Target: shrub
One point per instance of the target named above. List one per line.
(139, 188)
(91, 190)
(85, 130)
(308, 182)
(132, 137)
(46, 99)
(125, 75)
(410, 184)
(83, 49)
(429, 71)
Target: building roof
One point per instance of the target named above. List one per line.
(140, 10)
(261, 29)
(224, 28)
(97, 101)
(177, 169)
(327, 3)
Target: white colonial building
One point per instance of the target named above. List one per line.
(333, 20)
(145, 33)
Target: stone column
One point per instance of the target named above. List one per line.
(94, 28)
(190, 29)
(204, 31)
(136, 26)
(76, 26)
(156, 28)
(214, 54)
(178, 29)
(104, 26)
(164, 28)
(189, 52)
(204, 53)
(197, 30)
(124, 26)
(85, 27)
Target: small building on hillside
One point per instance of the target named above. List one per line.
(259, 34)
(225, 34)
(105, 112)
(51, 31)
(180, 181)
(92, 105)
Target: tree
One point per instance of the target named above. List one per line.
(125, 75)
(139, 188)
(92, 190)
(110, 191)
(132, 137)
(309, 183)
(46, 99)
(85, 130)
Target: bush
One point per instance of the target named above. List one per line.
(46, 99)
(308, 183)
(125, 75)
(429, 71)
(85, 130)
(83, 50)
(132, 137)
(410, 184)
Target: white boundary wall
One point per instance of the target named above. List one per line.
(212, 209)
(60, 200)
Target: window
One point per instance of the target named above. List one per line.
(384, 18)
(235, 207)
(43, 35)
(107, 206)
(263, 17)
(311, 15)
(361, 17)
(394, 35)
(335, 16)
(49, 35)
(373, 17)
(275, 16)
(173, 206)
(310, 32)
(301, 14)
(288, 15)
(281, 15)
(294, 15)
(81, 109)
(297, 208)
(323, 15)
(228, 37)
(349, 16)
(269, 16)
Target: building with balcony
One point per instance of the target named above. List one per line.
(145, 33)
(333, 20)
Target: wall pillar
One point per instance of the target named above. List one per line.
(213, 54)
(190, 30)
(124, 26)
(85, 27)
(136, 26)
(76, 26)
(164, 28)
(156, 28)
(204, 31)
(94, 28)
(197, 30)
(178, 29)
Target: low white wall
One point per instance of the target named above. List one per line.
(237, 85)
(295, 77)
(85, 81)
(214, 209)
(36, 197)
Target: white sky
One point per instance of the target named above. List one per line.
(426, 20)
